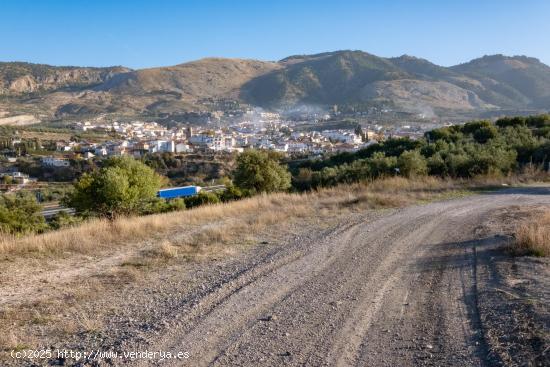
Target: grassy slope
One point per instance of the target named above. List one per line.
(255, 213)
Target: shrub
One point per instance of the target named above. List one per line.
(158, 205)
(123, 186)
(411, 163)
(473, 126)
(485, 133)
(303, 180)
(436, 165)
(201, 199)
(260, 171)
(63, 219)
(232, 193)
(21, 214)
(380, 165)
(7, 180)
(511, 121)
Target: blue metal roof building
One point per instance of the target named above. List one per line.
(178, 192)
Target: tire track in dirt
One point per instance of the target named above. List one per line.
(397, 290)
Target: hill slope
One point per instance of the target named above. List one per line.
(406, 82)
(21, 78)
(343, 77)
(524, 80)
(324, 79)
(204, 78)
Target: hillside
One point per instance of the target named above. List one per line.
(522, 79)
(323, 79)
(405, 83)
(204, 78)
(22, 78)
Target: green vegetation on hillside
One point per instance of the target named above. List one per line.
(475, 148)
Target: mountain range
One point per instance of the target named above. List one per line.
(405, 83)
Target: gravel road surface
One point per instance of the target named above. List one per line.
(400, 289)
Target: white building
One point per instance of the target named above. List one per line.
(88, 155)
(343, 136)
(55, 162)
(100, 151)
(182, 148)
(298, 147)
(281, 147)
(19, 177)
(222, 143)
(162, 146)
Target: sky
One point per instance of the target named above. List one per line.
(141, 34)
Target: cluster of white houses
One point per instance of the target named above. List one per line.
(138, 138)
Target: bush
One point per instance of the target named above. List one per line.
(411, 163)
(232, 193)
(158, 205)
(511, 121)
(7, 180)
(21, 214)
(123, 186)
(63, 219)
(380, 165)
(473, 126)
(201, 199)
(260, 171)
(437, 166)
(485, 133)
(303, 180)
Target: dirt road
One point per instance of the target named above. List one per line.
(423, 285)
(397, 290)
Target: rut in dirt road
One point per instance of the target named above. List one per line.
(396, 291)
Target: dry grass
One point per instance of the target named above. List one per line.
(9, 340)
(80, 321)
(10, 320)
(166, 250)
(66, 313)
(532, 237)
(219, 224)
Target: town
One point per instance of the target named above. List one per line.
(306, 136)
(264, 130)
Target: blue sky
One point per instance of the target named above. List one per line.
(151, 33)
